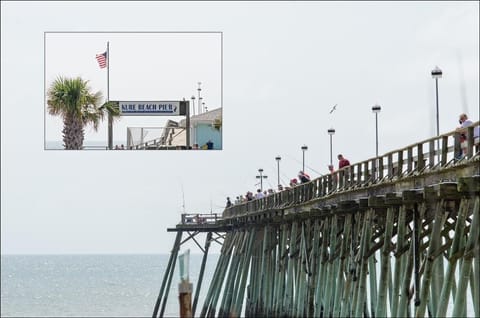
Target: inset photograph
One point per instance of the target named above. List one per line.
(133, 91)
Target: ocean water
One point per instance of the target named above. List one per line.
(91, 285)
(100, 285)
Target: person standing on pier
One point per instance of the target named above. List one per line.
(462, 130)
(342, 162)
(259, 194)
(331, 168)
(304, 178)
(229, 203)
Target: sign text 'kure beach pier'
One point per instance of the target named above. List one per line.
(153, 108)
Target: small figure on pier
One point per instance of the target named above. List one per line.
(464, 123)
(249, 196)
(280, 187)
(331, 168)
(259, 194)
(209, 145)
(229, 203)
(342, 162)
(293, 182)
(304, 178)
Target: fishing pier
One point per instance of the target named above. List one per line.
(396, 235)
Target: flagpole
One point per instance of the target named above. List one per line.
(110, 119)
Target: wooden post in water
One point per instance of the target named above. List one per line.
(359, 302)
(185, 287)
(427, 274)
(202, 269)
(472, 244)
(380, 310)
(167, 278)
(321, 269)
(400, 258)
(452, 260)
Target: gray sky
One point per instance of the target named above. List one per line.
(284, 66)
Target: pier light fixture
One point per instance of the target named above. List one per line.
(376, 110)
(199, 98)
(331, 132)
(278, 158)
(436, 74)
(261, 177)
(193, 104)
(304, 147)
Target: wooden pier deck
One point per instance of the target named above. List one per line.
(397, 235)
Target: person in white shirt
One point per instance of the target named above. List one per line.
(259, 194)
(464, 123)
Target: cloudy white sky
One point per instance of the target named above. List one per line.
(285, 65)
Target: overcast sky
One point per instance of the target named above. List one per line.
(284, 66)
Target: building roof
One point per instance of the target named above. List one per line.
(207, 117)
(174, 132)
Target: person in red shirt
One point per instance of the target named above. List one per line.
(342, 162)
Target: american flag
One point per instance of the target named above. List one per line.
(102, 59)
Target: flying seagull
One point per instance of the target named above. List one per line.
(333, 108)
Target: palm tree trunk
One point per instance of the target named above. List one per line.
(73, 133)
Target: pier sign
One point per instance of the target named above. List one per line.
(166, 108)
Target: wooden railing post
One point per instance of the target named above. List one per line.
(341, 174)
(318, 186)
(400, 163)
(409, 160)
(366, 172)
(380, 168)
(359, 174)
(431, 154)
(350, 174)
(390, 166)
(457, 148)
(330, 182)
(444, 150)
(470, 142)
(420, 160)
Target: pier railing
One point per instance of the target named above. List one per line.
(196, 218)
(425, 156)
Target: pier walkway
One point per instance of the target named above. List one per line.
(397, 235)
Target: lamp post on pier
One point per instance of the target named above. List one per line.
(278, 158)
(304, 147)
(193, 104)
(261, 177)
(436, 74)
(331, 132)
(376, 109)
(199, 98)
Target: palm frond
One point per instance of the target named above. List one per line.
(111, 108)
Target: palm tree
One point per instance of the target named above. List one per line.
(71, 99)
